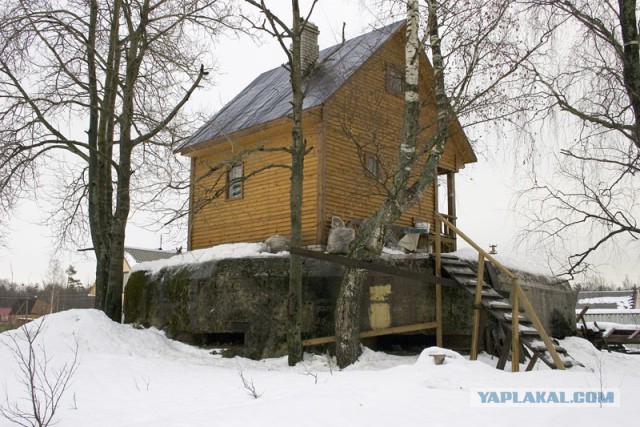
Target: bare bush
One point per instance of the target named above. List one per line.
(43, 385)
(249, 386)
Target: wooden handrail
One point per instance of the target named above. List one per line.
(473, 244)
(518, 296)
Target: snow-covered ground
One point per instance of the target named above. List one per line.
(131, 377)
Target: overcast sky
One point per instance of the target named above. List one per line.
(485, 191)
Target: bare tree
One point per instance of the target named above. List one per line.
(43, 384)
(474, 61)
(587, 81)
(277, 28)
(122, 71)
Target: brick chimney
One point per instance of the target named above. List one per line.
(309, 50)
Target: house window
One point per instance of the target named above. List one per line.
(395, 79)
(234, 182)
(372, 164)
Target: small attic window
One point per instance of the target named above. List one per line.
(394, 79)
(234, 182)
(372, 164)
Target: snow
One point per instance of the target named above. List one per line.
(609, 327)
(510, 261)
(632, 311)
(133, 377)
(622, 302)
(231, 250)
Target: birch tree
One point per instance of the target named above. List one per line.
(474, 63)
(99, 88)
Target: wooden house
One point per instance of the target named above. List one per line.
(352, 122)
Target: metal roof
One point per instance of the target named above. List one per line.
(268, 97)
(135, 255)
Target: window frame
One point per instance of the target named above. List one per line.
(371, 159)
(235, 182)
(393, 75)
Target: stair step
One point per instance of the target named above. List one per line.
(472, 283)
(521, 318)
(499, 305)
(500, 308)
(460, 271)
(525, 330)
(453, 262)
(490, 293)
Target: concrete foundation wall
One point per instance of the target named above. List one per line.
(247, 297)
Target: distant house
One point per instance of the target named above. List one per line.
(5, 313)
(352, 121)
(133, 256)
(27, 308)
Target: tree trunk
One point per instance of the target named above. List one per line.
(370, 240)
(367, 246)
(294, 340)
(348, 317)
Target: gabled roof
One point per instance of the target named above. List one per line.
(135, 255)
(268, 97)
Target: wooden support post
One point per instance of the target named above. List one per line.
(515, 327)
(504, 351)
(476, 308)
(532, 362)
(438, 267)
(451, 205)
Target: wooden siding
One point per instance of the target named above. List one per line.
(364, 117)
(263, 209)
(361, 112)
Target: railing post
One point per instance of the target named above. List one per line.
(515, 322)
(438, 272)
(476, 308)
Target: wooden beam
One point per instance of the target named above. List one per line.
(423, 277)
(476, 309)
(451, 204)
(375, 333)
(515, 327)
(438, 267)
(532, 362)
(504, 351)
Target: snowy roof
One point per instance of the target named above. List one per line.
(136, 255)
(268, 97)
(214, 253)
(606, 299)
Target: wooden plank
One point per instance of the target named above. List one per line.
(476, 308)
(424, 277)
(438, 268)
(532, 362)
(580, 317)
(504, 351)
(375, 333)
(515, 319)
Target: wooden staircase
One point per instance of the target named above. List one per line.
(501, 310)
